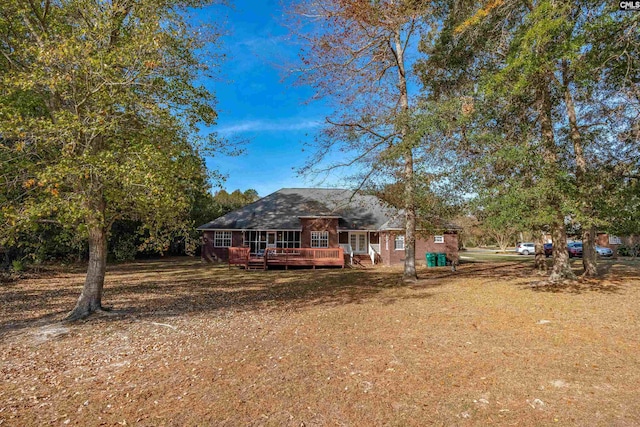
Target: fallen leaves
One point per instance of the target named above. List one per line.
(197, 344)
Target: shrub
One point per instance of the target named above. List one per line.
(628, 250)
(17, 265)
(124, 248)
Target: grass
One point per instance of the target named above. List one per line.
(194, 344)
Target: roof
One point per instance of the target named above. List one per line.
(283, 209)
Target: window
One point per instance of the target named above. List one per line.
(615, 240)
(288, 239)
(438, 239)
(222, 239)
(319, 239)
(257, 240)
(398, 244)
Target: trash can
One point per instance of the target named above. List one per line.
(431, 259)
(442, 260)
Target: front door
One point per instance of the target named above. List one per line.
(271, 239)
(358, 242)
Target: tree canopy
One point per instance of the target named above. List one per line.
(100, 118)
(545, 113)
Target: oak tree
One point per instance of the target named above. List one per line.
(99, 119)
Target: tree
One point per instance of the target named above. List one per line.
(99, 119)
(470, 235)
(359, 55)
(534, 60)
(224, 202)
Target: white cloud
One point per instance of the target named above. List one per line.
(267, 126)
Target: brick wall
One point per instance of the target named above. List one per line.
(602, 239)
(212, 254)
(319, 224)
(423, 245)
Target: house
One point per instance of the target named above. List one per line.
(615, 242)
(367, 230)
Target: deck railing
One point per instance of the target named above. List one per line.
(289, 257)
(346, 247)
(306, 253)
(374, 252)
(239, 256)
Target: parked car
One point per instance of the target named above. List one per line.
(548, 249)
(526, 248)
(604, 252)
(575, 249)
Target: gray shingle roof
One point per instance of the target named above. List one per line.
(282, 211)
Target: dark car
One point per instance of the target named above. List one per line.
(548, 249)
(575, 249)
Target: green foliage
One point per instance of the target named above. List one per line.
(17, 265)
(224, 202)
(99, 115)
(484, 76)
(629, 250)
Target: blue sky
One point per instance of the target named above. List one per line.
(257, 106)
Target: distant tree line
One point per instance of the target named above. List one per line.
(48, 241)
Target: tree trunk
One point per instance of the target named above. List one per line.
(589, 254)
(410, 274)
(540, 263)
(503, 238)
(561, 267)
(91, 298)
(410, 227)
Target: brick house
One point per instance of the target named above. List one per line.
(368, 230)
(614, 242)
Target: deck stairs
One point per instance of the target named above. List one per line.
(256, 264)
(361, 261)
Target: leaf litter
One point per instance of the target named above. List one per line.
(193, 344)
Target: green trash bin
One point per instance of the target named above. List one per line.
(431, 259)
(442, 260)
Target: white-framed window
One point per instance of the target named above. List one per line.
(222, 239)
(438, 239)
(615, 240)
(257, 239)
(398, 244)
(319, 239)
(288, 239)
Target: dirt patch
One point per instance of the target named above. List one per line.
(194, 344)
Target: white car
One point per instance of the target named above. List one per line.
(526, 248)
(604, 252)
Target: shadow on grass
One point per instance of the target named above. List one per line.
(172, 287)
(499, 270)
(608, 280)
(178, 286)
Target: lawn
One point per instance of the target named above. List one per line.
(194, 344)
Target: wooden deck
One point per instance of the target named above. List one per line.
(302, 257)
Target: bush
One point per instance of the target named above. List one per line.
(124, 248)
(628, 250)
(17, 265)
